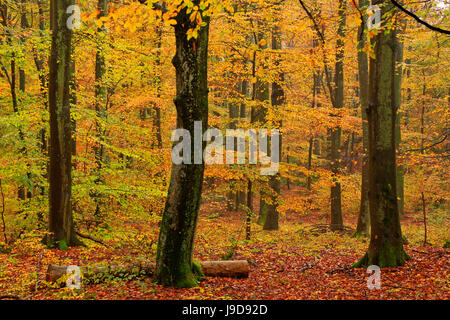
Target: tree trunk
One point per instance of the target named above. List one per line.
(313, 143)
(240, 194)
(261, 93)
(100, 106)
(398, 136)
(60, 150)
(22, 86)
(157, 107)
(233, 114)
(277, 99)
(386, 243)
(249, 211)
(424, 211)
(363, 76)
(336, 222)
(176, 239)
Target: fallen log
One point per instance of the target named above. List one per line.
(232, 269)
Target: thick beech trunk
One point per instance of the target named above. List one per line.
(60, 149)
(176, 239)
(386, 243)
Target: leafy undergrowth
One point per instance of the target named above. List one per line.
(292, 263)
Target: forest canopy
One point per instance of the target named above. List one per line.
(246, 148)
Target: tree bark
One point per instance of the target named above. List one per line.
(176, 239)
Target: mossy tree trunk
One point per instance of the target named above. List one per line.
(60, 148)
(386, 243)
(336, 222)
(174, 266)
(363, 225)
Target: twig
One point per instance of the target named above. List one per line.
(398, 287)
(309, 265)
(10, 297)
(345, 269)
(85, 236)
(427, 147)
(419, 251)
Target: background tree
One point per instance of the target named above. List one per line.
(336, 221)
(363, 225)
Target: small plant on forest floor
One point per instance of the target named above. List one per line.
(231, 251)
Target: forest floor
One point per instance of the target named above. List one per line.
(292, 263)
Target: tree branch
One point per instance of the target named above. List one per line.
(409, 13)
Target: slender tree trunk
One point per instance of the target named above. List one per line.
(336, 222)
(249, 211)
(22, 84)
(60, 168)
(100, 106)
(261, 93)
(241, 195)
(363, 76)
(422, 151)
(398, 137)
(309, 165)
(386, 243)
(43, 88)
(157, 107)
(277, 100)
(38, 57)
(424, 211)
(233, 114)
(174, 266)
